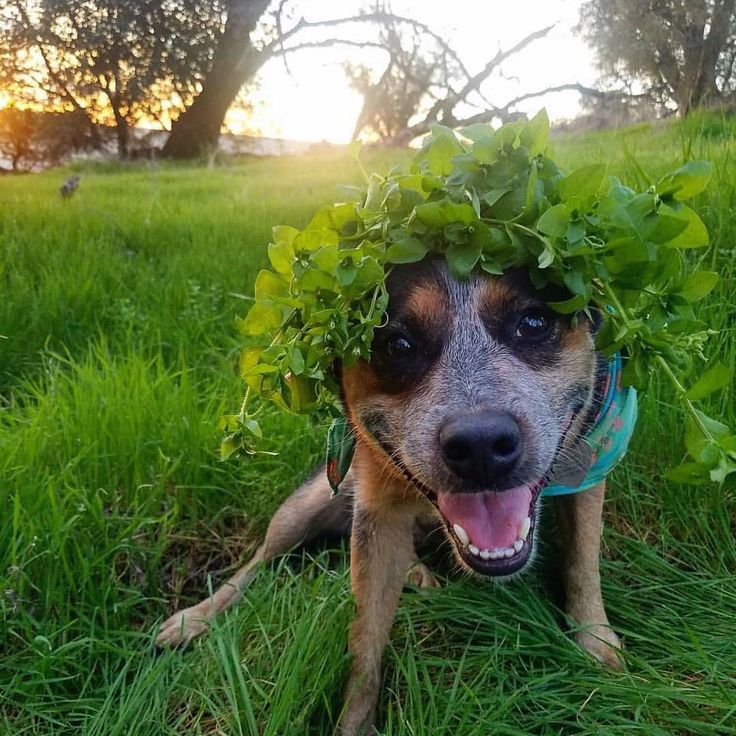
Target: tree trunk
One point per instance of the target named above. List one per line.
(123, 135)
(235, 62)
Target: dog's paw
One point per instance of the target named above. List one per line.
(420, 576)
(182, 627)
(603, 643)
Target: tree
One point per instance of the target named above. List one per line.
(682, 51)
(422, 67)
(115, 61)
(417, 69)
(234, 62)
(427, 83)
(31, 139)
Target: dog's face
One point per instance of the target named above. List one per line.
(475, 390)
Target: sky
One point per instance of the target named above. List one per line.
(311, 99)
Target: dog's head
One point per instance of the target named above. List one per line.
(479, 393)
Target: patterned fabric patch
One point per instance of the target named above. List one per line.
(610, 435)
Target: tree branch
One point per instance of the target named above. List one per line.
(374, 17)
(500, 112)
(328, 42)
(474, 82)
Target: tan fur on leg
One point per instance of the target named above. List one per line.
(420, 576)
(579, 516)
(308, 512)
(382, 550)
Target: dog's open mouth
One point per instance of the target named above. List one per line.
(492, 530)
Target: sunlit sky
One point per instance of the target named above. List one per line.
(311, 99)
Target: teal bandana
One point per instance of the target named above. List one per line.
(608, 439)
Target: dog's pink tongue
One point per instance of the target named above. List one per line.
(491, 519)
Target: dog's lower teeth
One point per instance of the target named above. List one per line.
(485, 554)
(473, 550)
(462, 535)
(508, 552)
(518, 544)
(494, 554)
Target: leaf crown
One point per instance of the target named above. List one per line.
(488, 199)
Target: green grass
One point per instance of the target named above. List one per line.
(117, 357)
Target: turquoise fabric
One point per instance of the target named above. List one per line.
(610, 435)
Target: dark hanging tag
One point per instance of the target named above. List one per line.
(340, 450)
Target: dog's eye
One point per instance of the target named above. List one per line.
(533, 325)
(399, 347)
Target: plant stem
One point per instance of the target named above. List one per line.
(681, 390)
(664, 365)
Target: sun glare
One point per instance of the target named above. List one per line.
(317, 105)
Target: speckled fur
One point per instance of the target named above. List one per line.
(470, 364)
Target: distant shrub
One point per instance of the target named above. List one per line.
(31, 140)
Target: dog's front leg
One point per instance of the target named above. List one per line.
(579, 516)
(382, 550)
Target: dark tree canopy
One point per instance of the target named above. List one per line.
(117, 61)
(681, 52)
(30, 139)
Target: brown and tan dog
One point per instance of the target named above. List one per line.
(476, 397)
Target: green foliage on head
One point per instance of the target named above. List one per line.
(488, 200)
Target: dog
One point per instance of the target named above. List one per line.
(477, 396)
(67, 189)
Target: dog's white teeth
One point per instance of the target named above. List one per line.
(518, 544)
(474, 550)
(526, 525)
(485, 554)
(494, 554)
(508, 552)
(462, 535)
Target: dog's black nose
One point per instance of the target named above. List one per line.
(481, 448)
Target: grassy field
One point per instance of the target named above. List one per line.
(118, 355)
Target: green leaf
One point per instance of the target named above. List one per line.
(445, 212)
(281, 257)
(693, 473)
(406, 250)
(462, 258)
(443, 146)
(478, 132)
(569, 305)
(326, 258)
(583, 182)
(576, 283)
(261, 319)
(555, 221)
(296, 361)
(230, 445)
(686, 182)
(535, 133)
(712, 380)
(309, 240)
(346, 273)
(270, 286)
(665, 228)
(695, 234)
(333, 217)
(697, 285)
(284, 234)
(547, 257)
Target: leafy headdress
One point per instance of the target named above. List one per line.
(489, 200)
